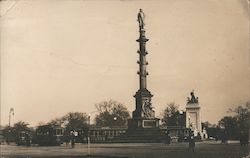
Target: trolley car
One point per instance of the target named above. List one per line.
(48, 135)
(23, 138)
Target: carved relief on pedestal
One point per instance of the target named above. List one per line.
(147, 109)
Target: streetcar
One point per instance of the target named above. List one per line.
(49, 135)
(23, 138)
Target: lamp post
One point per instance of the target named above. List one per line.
(88, 133)
(179, 117)
(11, 113)
(180, 124)
(115, 119)
(88, 139)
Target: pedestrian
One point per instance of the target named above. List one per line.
(244, 138)
(191, 142)
(167, 139)
(72, 139)
(67, 138)
(224, 137)
(27, 139)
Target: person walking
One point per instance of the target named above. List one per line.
(27, 139)
(167, 139)
(67, 138)
(72, 139)
(191, 142)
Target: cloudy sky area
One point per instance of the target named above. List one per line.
(68, 55)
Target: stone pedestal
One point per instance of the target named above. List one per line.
(135, 123)
(143, 130)
(193, 120)
(144, 126)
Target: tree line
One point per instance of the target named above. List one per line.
(113, 114)
(109, 113)
(232, 126)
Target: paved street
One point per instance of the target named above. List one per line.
(175, 150)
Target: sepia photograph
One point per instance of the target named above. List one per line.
(124, 79)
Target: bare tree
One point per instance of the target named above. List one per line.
(72, 121)
(111, 113)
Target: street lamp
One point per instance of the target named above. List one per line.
(88, 133)
(88, 139)
(11, 113)
(114, 124)
(89, 120)
(179, 117)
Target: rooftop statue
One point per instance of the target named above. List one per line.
(193, 98)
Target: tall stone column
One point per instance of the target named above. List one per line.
(143, 115)
(143, 126)
(143, 96)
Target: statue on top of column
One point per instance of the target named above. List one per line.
(193, 98)
(141, 17)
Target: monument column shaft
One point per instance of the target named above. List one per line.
(142, 61)
(143, 79)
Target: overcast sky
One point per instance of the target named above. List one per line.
(59, 56)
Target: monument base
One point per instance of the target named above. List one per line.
(143, 130)
(143, 123)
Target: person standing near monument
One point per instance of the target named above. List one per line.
(167, 139)
(191, 141)
(72, 137)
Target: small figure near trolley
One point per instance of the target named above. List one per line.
(74, 134)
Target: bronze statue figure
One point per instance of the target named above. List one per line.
(140, 19)
(193, 98)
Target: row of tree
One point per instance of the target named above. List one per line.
(111, 113)
(238, 123)
(233, 126)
